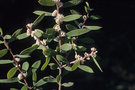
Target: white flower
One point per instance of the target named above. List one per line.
(21, 75)
(88, 58)
(25, 74)
(57, 21)
(56, 0)
(32, 33)
(35, 37)
(43, 42)
(28, 32)
(29, 25)
(58, 18)
(93, 49)
(17, 59)
(62, 34)
(37, 42)
(44, 48)
(78, 57)
(18, 65)
(86, 54)
(57, 28)
(54, 13)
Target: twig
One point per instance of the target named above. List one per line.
(60, 79)
(15, 61)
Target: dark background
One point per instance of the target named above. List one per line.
(115, 41)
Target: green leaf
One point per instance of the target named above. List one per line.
(7, 37)
(11, 80)
(86, 10)
(69, 84)
(46, 2)
(22, 36)
(70, 27)
(75, 65)
(22, 56)
(93, 27)
(86, 68)
(38, 20)
(49, 52)
(5, 61)
(29, 50)
(61, 58)
(68, 68)
(48, 79)
(13, 89)
(71, 3)
(46, 63)
(37, 12)
(53, 66)
(50, 34)
(66, 47)
(25, 66)
(36, 65)
(71, 17)
(74, 12)
(38, 32)
(77, 32)
(1, 31)
(97, 63)
(24, 88)
(80, 48)
(34, 78)
(11, 72)
(14, 35)
(58, 78)
(95, 17)
(3, 52)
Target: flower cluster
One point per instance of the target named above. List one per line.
(86, 55)
(32, 34)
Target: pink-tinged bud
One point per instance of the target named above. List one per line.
(28, 32)
(32, 33)
(60, 4)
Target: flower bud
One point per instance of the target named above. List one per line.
(37, 42)
(57, 28)
(62, 34)
(54, 13)
(28, 32)
(32, 33)
(17, 59)
(93, 49)
(20, 76)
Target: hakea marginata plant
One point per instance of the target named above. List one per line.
(68, 54)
